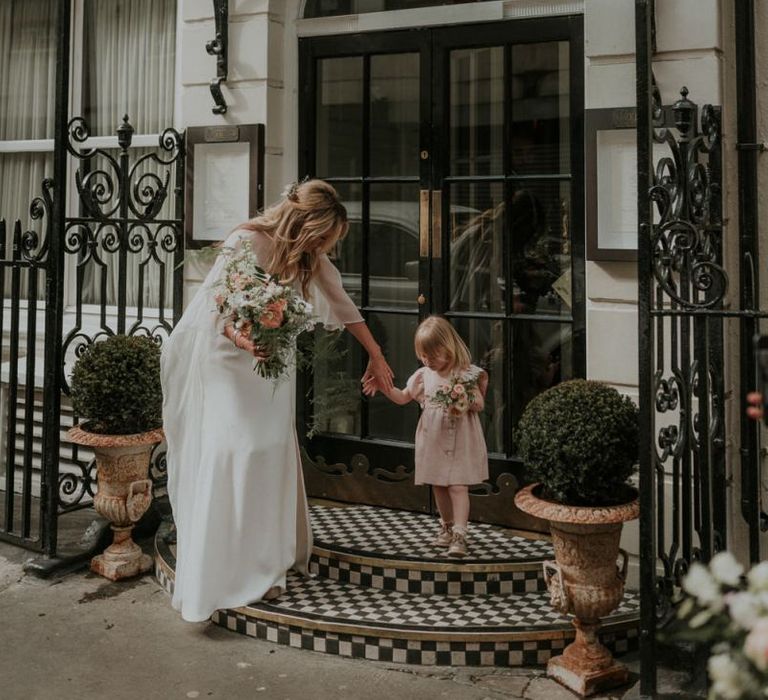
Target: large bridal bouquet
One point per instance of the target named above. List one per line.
(457, 396)
(270, 314)
(730, 613)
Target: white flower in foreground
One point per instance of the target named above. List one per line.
(758, 577)
(745, 609)
(700, 584)
(726, 569)
(756, 644)
(726, 677)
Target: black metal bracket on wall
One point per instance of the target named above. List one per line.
(219, 47)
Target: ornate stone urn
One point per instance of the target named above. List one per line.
(123, 496)
(584, 581)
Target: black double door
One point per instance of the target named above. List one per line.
(458, 153)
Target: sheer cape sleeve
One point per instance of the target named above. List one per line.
(332, 305)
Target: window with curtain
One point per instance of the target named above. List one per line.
(27, 80)
(129, 50)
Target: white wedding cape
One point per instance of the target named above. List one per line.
(234, 472)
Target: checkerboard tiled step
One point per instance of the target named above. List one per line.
(332, 616)
(391, 550)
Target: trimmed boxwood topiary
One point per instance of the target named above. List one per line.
(580, 439)
(115, 386)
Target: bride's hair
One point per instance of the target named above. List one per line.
(307, 221)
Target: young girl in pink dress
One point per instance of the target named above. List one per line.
(450, 445)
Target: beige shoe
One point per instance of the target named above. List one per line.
(458, 546)
(273, 593)
(444, 536)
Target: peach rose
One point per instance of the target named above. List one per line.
(273, 314)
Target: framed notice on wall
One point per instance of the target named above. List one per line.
(611, 186)
(224, 180)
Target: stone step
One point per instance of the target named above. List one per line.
(336, 616)
(391, 550)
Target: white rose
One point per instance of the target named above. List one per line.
(756, 644)
(744, 608)
(726, 569)
(726, 677)
(700, 584)
(758, 577)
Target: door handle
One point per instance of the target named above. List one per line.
(423, 223)
(437, 223)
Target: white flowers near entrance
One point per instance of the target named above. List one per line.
(730, 611)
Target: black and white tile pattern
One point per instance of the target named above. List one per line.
(382, 593)
(318, 598)
(534, 652)
(428, 582)
(404, 536)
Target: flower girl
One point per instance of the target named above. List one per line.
(450, 446)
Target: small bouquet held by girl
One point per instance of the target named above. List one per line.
(271, 315)
(456, 397)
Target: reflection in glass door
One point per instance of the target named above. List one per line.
(453, 150)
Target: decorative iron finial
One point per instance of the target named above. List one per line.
(684, 112)
(125, 133)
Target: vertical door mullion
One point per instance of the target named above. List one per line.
(426, 169)
(507, 251)
(365, 212)
(439, 158)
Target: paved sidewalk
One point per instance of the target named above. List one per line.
(82, 637)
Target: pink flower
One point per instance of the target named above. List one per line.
(458, 389)
(756, 644)
(219, 299)
(273, 314)
(445, 389)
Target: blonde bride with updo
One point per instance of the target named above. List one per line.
(234, 472)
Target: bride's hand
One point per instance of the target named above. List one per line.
(379, 369)
(243, 342)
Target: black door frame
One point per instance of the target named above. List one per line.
(434, 45)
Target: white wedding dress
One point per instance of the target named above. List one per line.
(234, 473)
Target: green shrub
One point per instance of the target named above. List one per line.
(579, 439)
(115, 386)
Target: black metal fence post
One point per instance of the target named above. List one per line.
(54, 290)
(749, 294)
(645, 348)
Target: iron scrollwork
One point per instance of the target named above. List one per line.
(219, 47)
(130, 222)
(689, 284)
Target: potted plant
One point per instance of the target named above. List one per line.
(579, 442)
(115, 390)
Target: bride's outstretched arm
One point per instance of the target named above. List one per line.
(378, 368)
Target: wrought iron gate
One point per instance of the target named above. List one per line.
(113, 265)
(682, 287)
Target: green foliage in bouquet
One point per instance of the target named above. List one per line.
(728, 613)
(115, 386)
(580, 440)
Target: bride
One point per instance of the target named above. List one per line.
(234, 473)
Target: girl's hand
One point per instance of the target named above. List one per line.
(379, 369)
(370, 386)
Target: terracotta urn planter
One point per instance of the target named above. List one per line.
(123, 496)
(584, 581)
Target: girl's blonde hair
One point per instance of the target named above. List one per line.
(308, 220)
(435, 334)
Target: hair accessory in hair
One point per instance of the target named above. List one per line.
(292, 192)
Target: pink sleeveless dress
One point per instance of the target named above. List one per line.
(450, 450)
